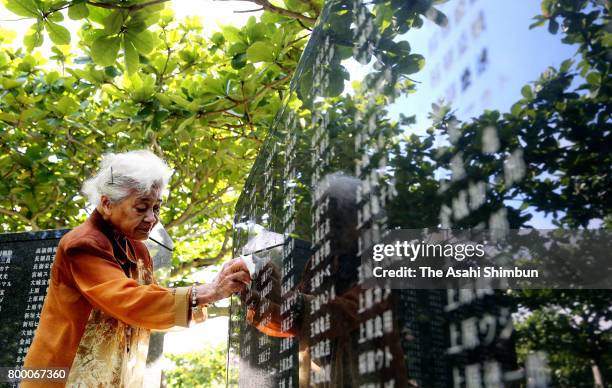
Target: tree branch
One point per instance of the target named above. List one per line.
(265, 4)
(188, 213)
(204, 262)
(250, 10)
(303, 25)
(160, 79)
(191, 212)
(20, 216)
(46, 14)
(134, 7)
(271, 85)
(50, 206)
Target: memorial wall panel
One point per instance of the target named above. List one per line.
(25, 269)
(361, 147)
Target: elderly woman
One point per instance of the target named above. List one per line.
(102, 300)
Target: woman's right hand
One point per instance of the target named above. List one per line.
(233, 278)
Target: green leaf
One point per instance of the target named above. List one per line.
(26, 8)
(526, 92)
(33, 38)
(296, 5)
(78, 11)
(403, 47)
(538, 23)
(239, 61)
(553, 26)
(130, 55)
(546, 6)
(143, 41)
(180, 100)
(337, 76)
(271, 17)
(516, 109)
(7, 36)
(251, 21)
(257, 32)
(218, 38)
(9, 117)
(4, 59)
(384, 14)
(411, 64)
(606, 40)
(566, 65)
(593, 78)
(231, 33)
(141, 88)
(185, 123)
(149, 15)
(104, 50)
(260, 52)
(66, 105)
(114, 22)
(111, 71)
(8, 83)
(56, 17)
(98, 14)
(58, 34)
(237, 48)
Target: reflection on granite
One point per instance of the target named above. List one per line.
(342, 168)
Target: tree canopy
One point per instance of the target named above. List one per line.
(134, 77)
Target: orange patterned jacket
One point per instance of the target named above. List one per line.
(96, 319)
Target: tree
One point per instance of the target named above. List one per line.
(572, 328)
(198, 369)
(141, 80)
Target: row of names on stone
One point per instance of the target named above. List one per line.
(490, 374)
(376, 327)
(476, 331)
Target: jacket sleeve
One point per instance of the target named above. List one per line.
(104, 284)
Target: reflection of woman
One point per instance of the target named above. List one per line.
(338, 344)
(102, 299)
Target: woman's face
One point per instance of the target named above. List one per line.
(135, 216)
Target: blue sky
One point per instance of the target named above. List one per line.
(515, 56)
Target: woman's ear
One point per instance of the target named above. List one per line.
(105, 205)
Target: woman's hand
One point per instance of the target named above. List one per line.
(233, 278)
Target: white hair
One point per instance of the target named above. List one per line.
(122, 174)
(341, 187)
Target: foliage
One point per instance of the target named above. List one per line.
(143, 80)
(198, 369)
(571, 327)
(124, 27)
